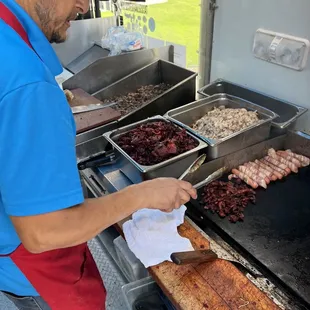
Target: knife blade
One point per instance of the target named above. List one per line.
(90, 107)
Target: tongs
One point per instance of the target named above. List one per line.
(215, 252)
(213, 176)
(196, 165)
(106, 158)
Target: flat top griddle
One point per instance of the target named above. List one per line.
(276, 231)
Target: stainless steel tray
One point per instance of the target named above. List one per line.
(288, 112)
(137, 173)
(185, 116)
(182, 92)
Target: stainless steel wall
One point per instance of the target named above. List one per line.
(82, 35)
(235, 24)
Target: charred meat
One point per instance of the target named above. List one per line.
(155, 142)
(228, 199)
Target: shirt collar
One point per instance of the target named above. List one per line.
(37, 38)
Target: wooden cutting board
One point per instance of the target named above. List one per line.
(209, 286)
(89, 120)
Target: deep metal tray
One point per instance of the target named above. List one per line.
(182, 92)
(137, 173)
(108, 70)
(288, 112)
(186, 115)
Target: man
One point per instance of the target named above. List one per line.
(44, 220)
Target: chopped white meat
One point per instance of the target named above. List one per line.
(222, 122)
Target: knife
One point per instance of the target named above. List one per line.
(91, 107)
(205, 256)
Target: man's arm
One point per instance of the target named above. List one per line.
(40, 186)
(73, 226)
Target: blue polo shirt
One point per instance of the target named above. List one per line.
(38, 171)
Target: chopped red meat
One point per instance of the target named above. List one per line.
(228, 198)
(155, 142)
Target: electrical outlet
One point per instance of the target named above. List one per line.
(281, 49)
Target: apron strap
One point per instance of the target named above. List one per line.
(10, 19)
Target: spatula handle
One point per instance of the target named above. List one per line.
(193, 257)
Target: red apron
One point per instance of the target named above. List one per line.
(67, 279)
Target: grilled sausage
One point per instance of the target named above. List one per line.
(276, 174)
(277, 164)
(290, 158)
(260, 181)
(305, 161)
(245, 178)
(275, 168)
(253, 169)
(288, 164)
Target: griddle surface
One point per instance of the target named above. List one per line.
(276, 231)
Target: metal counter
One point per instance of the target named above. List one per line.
(109, 179)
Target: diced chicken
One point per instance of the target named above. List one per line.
(222, 122)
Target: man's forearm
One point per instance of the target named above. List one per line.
(78, 224)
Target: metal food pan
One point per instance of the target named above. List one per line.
(182, 92)
(288, 112)
(137, 173)
(185, 116)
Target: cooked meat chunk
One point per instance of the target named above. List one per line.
(228, 199)
(155, 142)
(135, 100)
(222, 122)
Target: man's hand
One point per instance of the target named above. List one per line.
(165, 194)
(75, 225)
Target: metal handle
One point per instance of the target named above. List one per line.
(193, 257)
(96, 162)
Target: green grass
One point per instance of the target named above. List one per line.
(177, 21)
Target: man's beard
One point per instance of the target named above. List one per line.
(57, 38)
(45, 15)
